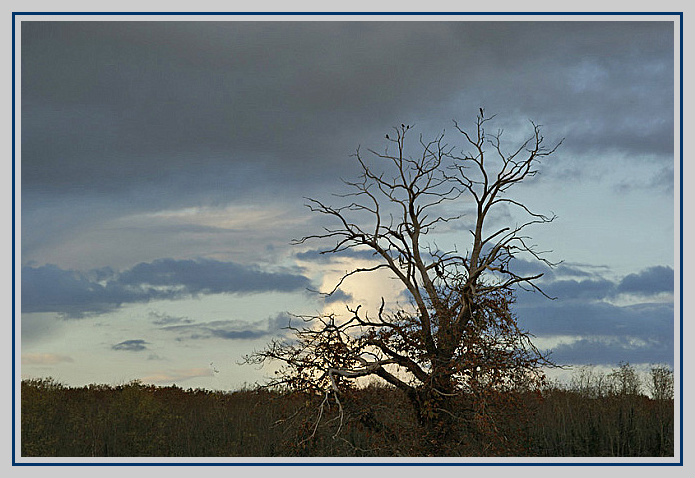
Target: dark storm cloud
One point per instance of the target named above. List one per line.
(144, 101)
(215, 107)
(231, 329)
(120, 118)
(76, 294)
(137, 345)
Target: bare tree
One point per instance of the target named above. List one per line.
(624, 380)
(661, 383)
(458, 340)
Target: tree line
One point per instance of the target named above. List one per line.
(592, 414)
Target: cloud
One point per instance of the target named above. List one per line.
(230, 329)
(574, 270)
(525, 267)
(75, 294)
(613, 350)
(596, 318)
(590, 289)
(660, 179)
(663, 180)
(338, 296)
(165, 319)
(45, 359)
(649, 281)
(51, 289)
(206, 276)
(606, 331)
(177, 375)
(592, 285)
(315, 255)
(157, 105)
(137, 345)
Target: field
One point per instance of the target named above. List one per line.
(142, 420)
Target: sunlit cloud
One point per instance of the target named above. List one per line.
(45, 359)
(177, 375)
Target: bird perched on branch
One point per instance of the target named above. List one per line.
(438, 269)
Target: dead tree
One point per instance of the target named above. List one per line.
(458, 340)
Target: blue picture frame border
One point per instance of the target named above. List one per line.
(294, 14)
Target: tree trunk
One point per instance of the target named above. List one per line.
(435, 408)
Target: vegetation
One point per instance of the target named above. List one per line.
(592, 415)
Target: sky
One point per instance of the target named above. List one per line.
(164, 168)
